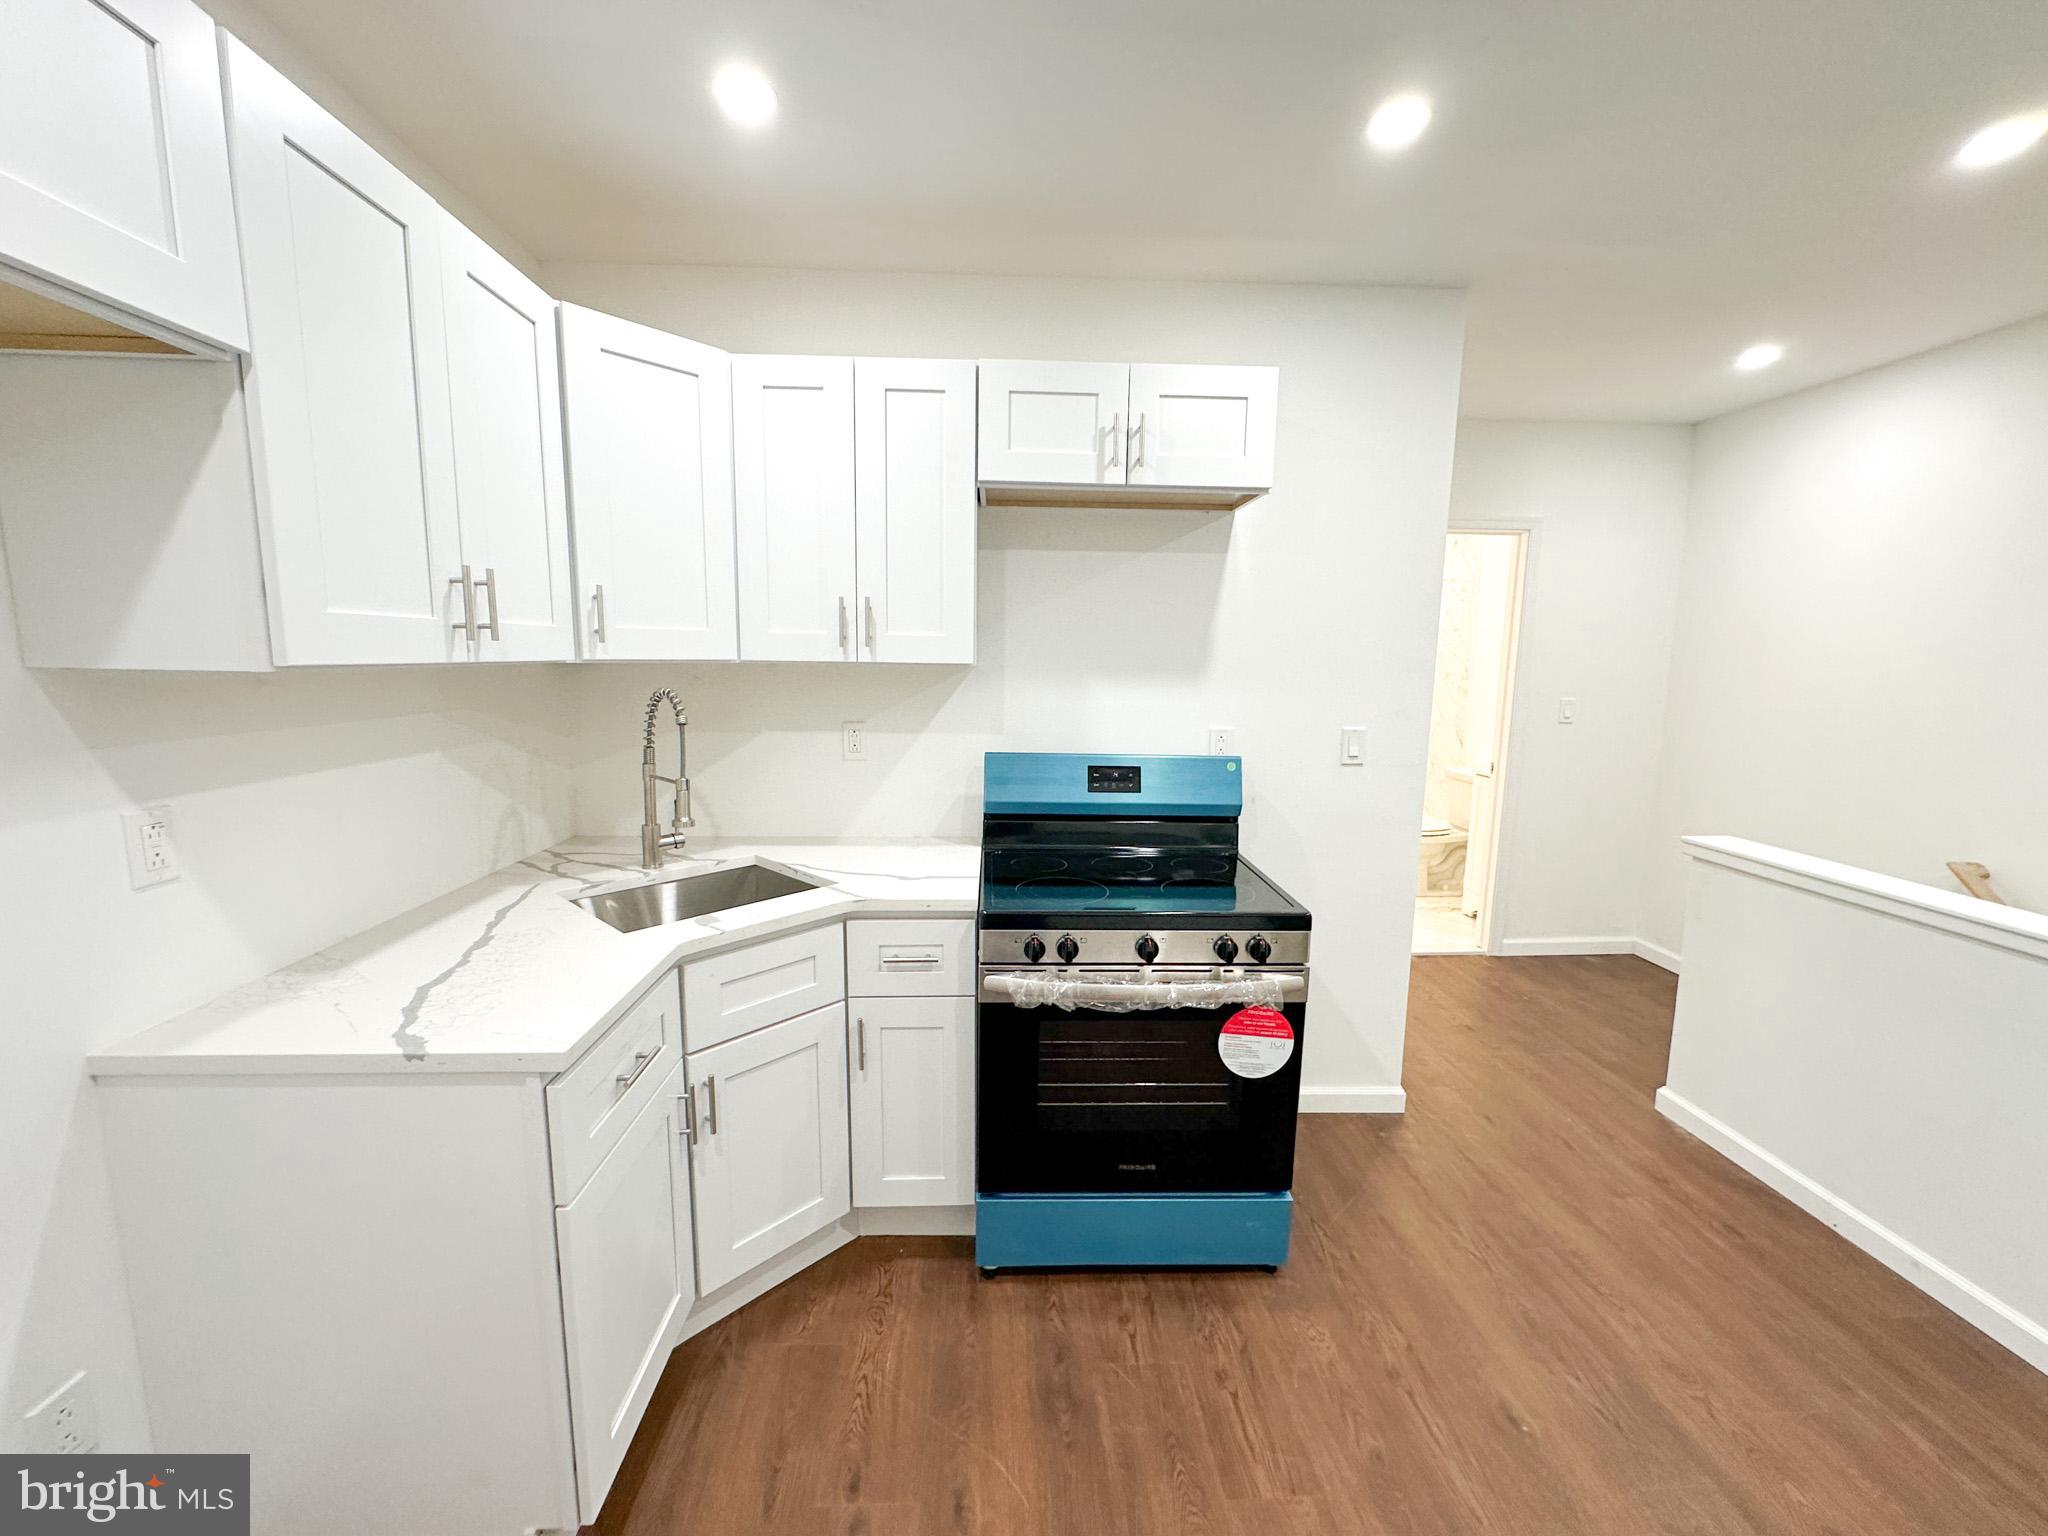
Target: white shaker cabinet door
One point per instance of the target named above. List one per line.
(914, 452)
(913, 1100)
(792, 444)
(114, 164)
(1053, 423)
(770, 1161)
(649, 422)
(1203, 426)
(347, 384)
(505, 392)
(624, 1247)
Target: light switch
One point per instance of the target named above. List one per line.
(1351, 746)
(1567, 710)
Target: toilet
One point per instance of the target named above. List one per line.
(1440, 870)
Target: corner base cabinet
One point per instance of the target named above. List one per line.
(769, 1167)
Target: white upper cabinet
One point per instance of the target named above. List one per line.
(1197, 425)
(770, 1163)
(793, 496)
(854, 485)
(916, 509)
(113, 162)
(649, 420)
(1146, 434)
(347, 384)
(1053, 423)
(505, 392)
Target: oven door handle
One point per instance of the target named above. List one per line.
(1212, 989)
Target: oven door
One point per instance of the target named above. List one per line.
(1136, 1100)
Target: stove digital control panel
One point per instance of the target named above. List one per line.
(1115, 779)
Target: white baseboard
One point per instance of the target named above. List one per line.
(1657, 954)
(915, 1220)
(1354, 1101)
(1976, 1306)
(1610, 944)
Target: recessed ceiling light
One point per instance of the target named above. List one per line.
(1756, 358)
(1397, 122)
(2002, 141)
(744, 95)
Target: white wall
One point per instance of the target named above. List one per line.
(1608, 504)
(1310, 609)
(1863, 626)
(305, 807)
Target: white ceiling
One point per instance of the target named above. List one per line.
(1632, 189)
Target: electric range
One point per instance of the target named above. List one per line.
(1141, 992)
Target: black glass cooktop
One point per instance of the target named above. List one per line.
(1118, 888)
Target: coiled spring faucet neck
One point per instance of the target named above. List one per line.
(653, 840)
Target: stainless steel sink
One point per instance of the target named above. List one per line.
(670, 901)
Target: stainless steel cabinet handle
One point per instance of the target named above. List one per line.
(597, 610)
(868, 608)
(631, 1075)
(860, 1035)
(1116, 439)
(842, 623)
(467, 582)
(491, 593)
(1138, 438)
(688, 1129)
(711, 1092)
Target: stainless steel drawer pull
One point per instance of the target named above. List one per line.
(491, 596)
(688, 1129)
(597, 611)
(467, 623)
(860, 1035)
(927, 962)
(631, 1075)
(711, 1092)
(842, 623)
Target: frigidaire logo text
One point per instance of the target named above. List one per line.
(54, 1494)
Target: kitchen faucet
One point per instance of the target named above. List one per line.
(652, 839)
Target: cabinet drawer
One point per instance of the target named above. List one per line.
(904, 957)
(729, 994)
(591, 1104)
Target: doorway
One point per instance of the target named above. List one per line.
(1458, 852)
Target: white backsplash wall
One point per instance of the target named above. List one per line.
(1862, 626)
(305, 807)
(1120, 631)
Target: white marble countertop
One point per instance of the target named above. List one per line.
(507, 975)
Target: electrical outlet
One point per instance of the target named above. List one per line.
(1351, 746)
(853, 740)
(1222, 740)
(65, 1423)
(152, 856)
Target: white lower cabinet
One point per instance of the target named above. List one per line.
(769, 1167)
(624, 1246)
(912, 1100)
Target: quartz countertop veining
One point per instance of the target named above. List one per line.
(507, 974)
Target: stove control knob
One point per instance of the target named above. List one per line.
(1259, 949)
(1068, 948)
(1034, 949)
(1148, 948)
(1226, 948)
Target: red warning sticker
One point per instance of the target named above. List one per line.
(1256, 1042)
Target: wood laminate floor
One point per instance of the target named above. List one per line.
(1530, 1306)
